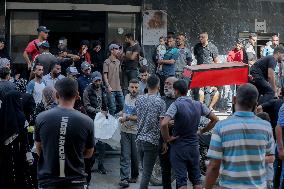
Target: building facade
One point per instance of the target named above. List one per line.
(108, 20)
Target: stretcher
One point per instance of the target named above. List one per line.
(228, 73)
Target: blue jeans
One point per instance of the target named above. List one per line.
(116, 102)
(128, 157)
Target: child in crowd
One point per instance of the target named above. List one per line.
(268, 165)
(161, 51)
(144, 74)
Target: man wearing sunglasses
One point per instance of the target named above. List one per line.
(32, 50)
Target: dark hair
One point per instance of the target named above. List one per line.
(153, 81)
(37, 64)
(143, 69)
(264, 116)
(129, 36)
(53, 64)
(66, 88)
(96, 43)
(170, 34)
(4, 72)
(278, 50)
(247, 96)
(182, 34)
(181, 87)
(251, 35)
(85, 42)
(135, 81)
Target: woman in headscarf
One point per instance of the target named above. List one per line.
(48, 100)
(14, 164)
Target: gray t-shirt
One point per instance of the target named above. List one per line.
(149, 108)
(64, 135)
(205, 55)
(184, 59)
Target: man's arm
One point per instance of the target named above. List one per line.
(106, 82)
(38, 148)
(213, 120)
(212, 173)
(87, 103)
(278, 132)
(172, 61)
(165, 129)
(27, 59)
(271, 79)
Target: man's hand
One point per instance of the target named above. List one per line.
(104, 112)
(109, 89)
(165, 148)
(122, 120)
(171, 123)
(259, 109)
(160, 62)
(172, 138)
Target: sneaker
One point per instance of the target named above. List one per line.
(124, 183)
(133, 180)
(102, 170)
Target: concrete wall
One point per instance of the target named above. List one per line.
(2, 18)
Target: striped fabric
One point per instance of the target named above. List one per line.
(241, 142)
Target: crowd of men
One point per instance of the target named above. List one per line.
(47, 118)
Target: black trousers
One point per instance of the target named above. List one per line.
(166, 167)
(264, 89)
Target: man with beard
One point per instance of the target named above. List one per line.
(164, 155)
(95, 101)
(54, 75)
(128, 159)
(36, 86)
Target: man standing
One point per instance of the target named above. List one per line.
(144, 74)
(45, 58)
(165, 163)
(32, 49)
(97, 56)
(36, 86)
(249, 48)
(149, 108)
(184, 152)
(205, 52)
(128, 157)
(241, 145)
(185, 57)
(5, 84)
(112, 70)
(54, 74)
(85, 79)
(168, 62)
(95, 101)
(63, 137)
(131, 59)
(268, 50)
(263, 74)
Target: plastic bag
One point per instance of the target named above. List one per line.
(105, 127)
(114, 141)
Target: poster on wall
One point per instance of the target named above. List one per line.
(154, 26)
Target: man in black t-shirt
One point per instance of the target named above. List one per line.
(263, 74)
(131, 59)
(63, 137)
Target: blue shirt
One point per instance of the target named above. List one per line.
(49, 81)
(171, 54)
(242, 141)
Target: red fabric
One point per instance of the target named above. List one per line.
(219, 77)
(235, 56)
(31, 49)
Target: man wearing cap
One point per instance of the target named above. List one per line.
(95, 100)
(72, 72)
(32, 49)
(45, 58)
(112, 69)
(85, 79)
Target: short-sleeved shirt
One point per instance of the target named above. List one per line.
(34, 88)
(49, 81)
(132, 64)
(149, 108)
(242, 142)
(260, 68)
(205, 55)
(113, 69)
(64, 135)
(184, 59)
(235, 56)
(250, 51)
(171, 54)
(32, 49)
(129, 110)
(184, 111)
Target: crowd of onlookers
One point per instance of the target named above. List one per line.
(46, 143)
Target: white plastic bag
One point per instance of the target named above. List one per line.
(114, 141)
(105, 127)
